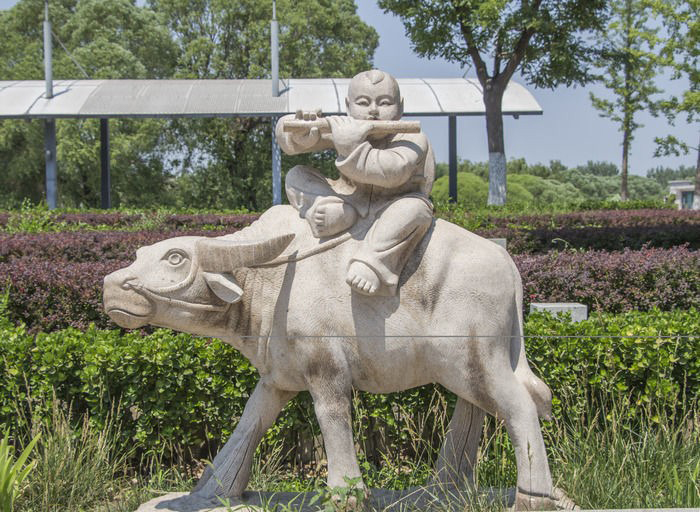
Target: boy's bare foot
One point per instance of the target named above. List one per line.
(362, 278)
(329, 216)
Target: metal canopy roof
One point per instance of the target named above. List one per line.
(225, 98)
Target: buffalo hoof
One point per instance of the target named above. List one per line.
(557, 501)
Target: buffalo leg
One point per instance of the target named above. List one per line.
(333, 410)
(503, 395)
(229, 474)
(457, 460)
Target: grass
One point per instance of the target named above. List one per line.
(601, 460)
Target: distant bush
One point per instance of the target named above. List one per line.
(523, 189)
(180, 390)
(594, 181)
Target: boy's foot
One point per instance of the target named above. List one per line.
(329, 216)
(362, 278)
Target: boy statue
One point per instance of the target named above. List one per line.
(385, 180)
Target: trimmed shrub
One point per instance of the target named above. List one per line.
(189, 391)
(48, 295)
(85, 246)
(117, 220)
(614, 282)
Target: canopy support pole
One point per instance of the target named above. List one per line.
(106, 181)
(452, 138)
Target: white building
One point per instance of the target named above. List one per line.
(684, 191)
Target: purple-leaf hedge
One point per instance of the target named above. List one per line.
(597, 218)
(48, 295)
(152, 220)
(608, 238)
(614, 282)
(84, 246)
(106, 245)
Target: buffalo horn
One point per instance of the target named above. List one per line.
(217, 255)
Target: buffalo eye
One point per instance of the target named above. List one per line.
(175, 257)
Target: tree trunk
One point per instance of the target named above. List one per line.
(624, 195)
(696, 194)
(493, 95)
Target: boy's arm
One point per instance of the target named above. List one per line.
(388, 168)
(295, 143)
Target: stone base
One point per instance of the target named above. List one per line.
(380, 499)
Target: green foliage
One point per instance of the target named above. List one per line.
(33, 219)
(77, 465)
(545, 191)
(628, 65)
(472, 190)
(546, 186)
(181, 390)
(680, 50)
(13, 472)
(341, 499)
(599, 168)
(646, 357)
(106, 39)
(545, 41)
(225, 163)
(552, 32)
(662, 175)
(221, 163)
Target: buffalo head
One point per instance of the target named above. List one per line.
(184, 283)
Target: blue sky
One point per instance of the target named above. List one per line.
(570, 130)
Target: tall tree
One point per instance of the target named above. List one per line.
(545, 40)
(629, 67)
(681, 49)
(226, 162)
(92, 39)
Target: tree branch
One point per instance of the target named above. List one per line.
(520, 47)
(479, 64)
(497, 56)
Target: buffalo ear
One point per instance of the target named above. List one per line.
(223, 287)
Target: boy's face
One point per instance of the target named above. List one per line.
(368, 101)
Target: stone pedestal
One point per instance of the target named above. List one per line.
(421, 498)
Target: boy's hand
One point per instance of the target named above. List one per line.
(348, 133)
(307, 140)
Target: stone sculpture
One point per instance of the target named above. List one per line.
(446, 306)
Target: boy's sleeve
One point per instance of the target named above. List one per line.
(390, 167)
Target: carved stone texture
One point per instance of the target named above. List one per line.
(445, 306)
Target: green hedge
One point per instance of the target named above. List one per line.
(191, 391)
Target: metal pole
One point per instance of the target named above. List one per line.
(50, 158)
(452, 138)
(105, 184)
(49, 124)
(275, 51)
(275, 75)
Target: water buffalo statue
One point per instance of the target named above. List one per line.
(278, 294)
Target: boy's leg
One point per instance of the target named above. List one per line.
(400, 227)
(310, 193)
